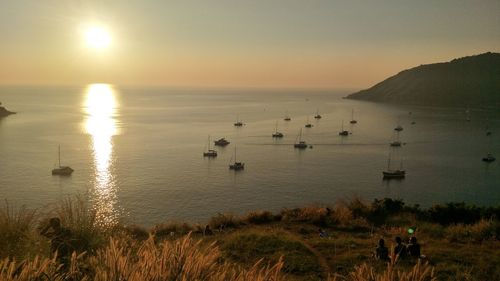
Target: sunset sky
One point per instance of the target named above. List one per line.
(232, 43)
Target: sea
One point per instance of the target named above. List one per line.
(137, 152)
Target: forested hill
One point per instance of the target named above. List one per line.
(467, 81)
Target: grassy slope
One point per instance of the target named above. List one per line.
(456, 251)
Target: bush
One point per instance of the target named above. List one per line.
(259, 217)
(224, 221)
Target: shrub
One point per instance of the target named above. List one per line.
(259, 217)
(222, 221)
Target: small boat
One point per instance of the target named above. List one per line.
(317, 116)
(352, 118)
(308, 125)
(396, 142)
(62, 170)
(287, 117)
(393, 174)
(342, 131)
(413, 122)
(209, 152)
(489, 158)
(237, 166)
(398, 128)
(277, 134)
(221, 142)
(238, 122)
(489, 133)
(300, 143)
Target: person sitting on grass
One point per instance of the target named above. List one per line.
(400, 248)
(381, 252)
(414, 248)
(60, 238)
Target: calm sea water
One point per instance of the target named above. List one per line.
(137, 152)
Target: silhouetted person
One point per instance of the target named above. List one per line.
(60, 239)
(207, 231)
(414, 247)
(381, 252)
(322, 233)
(400, 248)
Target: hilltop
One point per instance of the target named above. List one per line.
(4, 112)
(467, 81)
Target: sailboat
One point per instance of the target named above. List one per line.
(277, 134)
(287, 117)
(236, 165)
(308, 125)
(209, 152)
(343, 132)
(221, 142)
(62, 170)
(352, 118)
(393, 174)
(300, 144)
(238, 122)
(317, 116)
(396, 142)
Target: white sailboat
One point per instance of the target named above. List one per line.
(342, 131)
(277, 134)
(300, 143)
(209, 152)
(61, 170)
(393, 174)
(236, 165)
(308, 124)
(352, 118)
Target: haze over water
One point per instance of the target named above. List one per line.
(137, 152)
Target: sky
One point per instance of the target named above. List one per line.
(235, 43)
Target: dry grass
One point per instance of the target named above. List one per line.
(184, 259)
(16, 231)
(365, 272)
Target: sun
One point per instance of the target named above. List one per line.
(97, 37)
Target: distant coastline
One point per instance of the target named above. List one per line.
(4, 112)
(472, 81)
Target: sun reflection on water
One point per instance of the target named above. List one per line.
(100, 107)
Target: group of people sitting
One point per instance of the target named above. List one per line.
(400, 250)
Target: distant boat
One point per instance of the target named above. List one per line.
(398, 128)
(352, 118)
(308, 125)
(221, 142)
(62, 170)
(317, 116)
(393, 174)
(396, 142)
(277, 134)
(237, 166)
(342, 131)
(238, 122)
(489, 158)
(299, 142)
(287, 117)
(209, 152)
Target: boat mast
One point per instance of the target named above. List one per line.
(352, 114)
(276, 130)
(235, 154)
(59, 149)
(389, 162)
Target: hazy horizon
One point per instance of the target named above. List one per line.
(237, 44)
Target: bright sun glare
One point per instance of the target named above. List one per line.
(97, 37)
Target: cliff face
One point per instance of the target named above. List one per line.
(473, 80)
